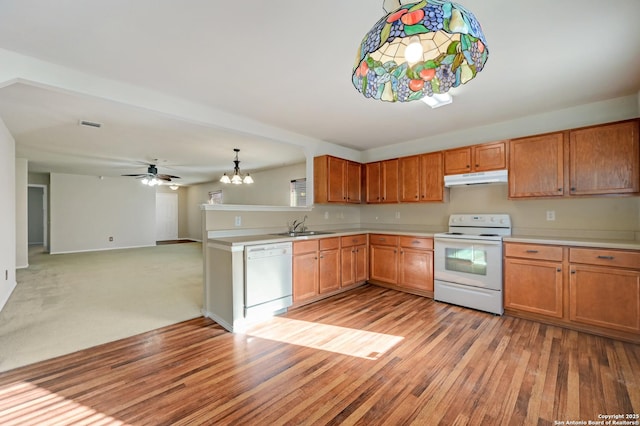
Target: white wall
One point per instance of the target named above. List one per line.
(22, 214)
(271, 188)
(86, 211)
(7, 215)
(584, 115)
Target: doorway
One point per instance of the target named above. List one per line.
(166, 216)
(37, 216)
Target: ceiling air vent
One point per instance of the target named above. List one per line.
(89, 123)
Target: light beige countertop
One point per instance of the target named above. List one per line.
(243, 240)
(575, 242)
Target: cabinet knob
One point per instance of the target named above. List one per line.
(606, 257)
(416, 196)
(477, 165)
(559, 189)
(468, 166)
(558, 270)
(573, 189)
(573, 272)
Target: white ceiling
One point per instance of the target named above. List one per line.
(185, 82)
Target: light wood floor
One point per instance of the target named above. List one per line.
(370, 356)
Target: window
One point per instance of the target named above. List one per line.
(298, 190)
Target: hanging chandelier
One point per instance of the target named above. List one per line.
(419, 49)
(237, 178)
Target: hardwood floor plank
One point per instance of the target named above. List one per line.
(369, 356)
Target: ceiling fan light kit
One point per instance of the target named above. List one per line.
(236, 178)
(152, 177)
(419, 49)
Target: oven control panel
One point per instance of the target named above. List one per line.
(484, 220)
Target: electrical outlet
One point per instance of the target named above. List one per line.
(397, 215)
(326, 215)
(6, 274)
(238, 220)
(551, 215)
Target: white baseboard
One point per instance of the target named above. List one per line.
(6, 293)
(217, 319)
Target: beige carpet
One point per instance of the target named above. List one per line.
(67, 302)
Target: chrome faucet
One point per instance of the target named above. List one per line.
(296, 224)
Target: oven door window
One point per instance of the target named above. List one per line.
(471, 260)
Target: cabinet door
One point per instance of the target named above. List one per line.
(431, 177)
(391, 189)
(384, 264)
(354, 182)
(605, 159)
(337, 172)
(416, 269)
(410, 178)
(605, 297)
(373, 175)
(533, 286)
(361, 264)
(491, 156)
(305, 276)
(536, 166)
(329, 270)
(347, 267)
(457, 161)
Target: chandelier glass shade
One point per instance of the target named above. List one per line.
(418, 50)
(151, 181)
(236, 178)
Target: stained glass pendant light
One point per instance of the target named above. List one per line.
(237, 178)
(420, 49)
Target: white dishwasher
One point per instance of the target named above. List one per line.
(268, 285)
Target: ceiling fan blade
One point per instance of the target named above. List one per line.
(165, 177)
(136, 175)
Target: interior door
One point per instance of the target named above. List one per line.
(166, 216)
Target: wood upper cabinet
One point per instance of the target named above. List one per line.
(421, 177)
(416, 263)
(476, 158)
(336, 180)
(536, 166)
(605, 159)
(329, 265)
(382, 181)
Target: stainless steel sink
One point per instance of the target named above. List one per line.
(303, 234)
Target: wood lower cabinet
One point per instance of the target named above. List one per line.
(415, 269)
(383, 262)
(589, 289)
(354, 260)
(604, 288)
(402, 262)
(305, 270)
(329, 265)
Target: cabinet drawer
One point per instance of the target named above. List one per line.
(417, 243)
(619, 258)
(383, 240)
(305, 246)
(329, 243)
(533, 251)
(354, 240)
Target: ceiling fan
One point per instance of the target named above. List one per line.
(152, 177)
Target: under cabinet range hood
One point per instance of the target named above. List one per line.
(494, 176)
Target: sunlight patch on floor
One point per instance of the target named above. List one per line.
(24, 403)
(342, 340)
